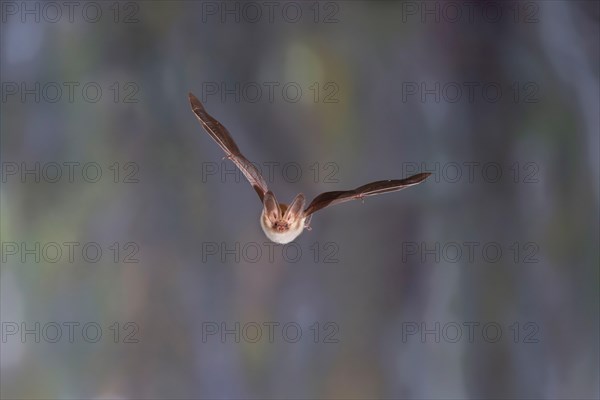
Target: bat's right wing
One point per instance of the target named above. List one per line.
(370, 189)
(221, 135)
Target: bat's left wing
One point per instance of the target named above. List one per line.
(370, 189)
(221, 135)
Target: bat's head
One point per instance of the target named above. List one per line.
(280, 222)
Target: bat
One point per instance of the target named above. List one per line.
(280, 222)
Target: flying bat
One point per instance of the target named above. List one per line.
(283, 223)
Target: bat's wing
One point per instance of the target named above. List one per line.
(370, 189)
(221, 135)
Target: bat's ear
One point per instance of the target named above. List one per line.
(295, 209)
(271, 207)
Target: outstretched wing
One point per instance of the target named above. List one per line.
(370, 189)
(221, 135)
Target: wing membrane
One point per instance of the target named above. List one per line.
(370, 189)
(221, 135)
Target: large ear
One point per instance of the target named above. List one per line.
(271, 207)
(295, 209)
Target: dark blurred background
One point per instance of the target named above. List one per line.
(133, 264)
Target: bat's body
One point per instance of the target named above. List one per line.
(283, 223)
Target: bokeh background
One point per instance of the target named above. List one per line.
(381, 275)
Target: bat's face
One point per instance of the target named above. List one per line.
(280, 222)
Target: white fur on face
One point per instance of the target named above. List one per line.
(281, 237)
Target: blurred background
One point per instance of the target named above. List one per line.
(133, 264)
